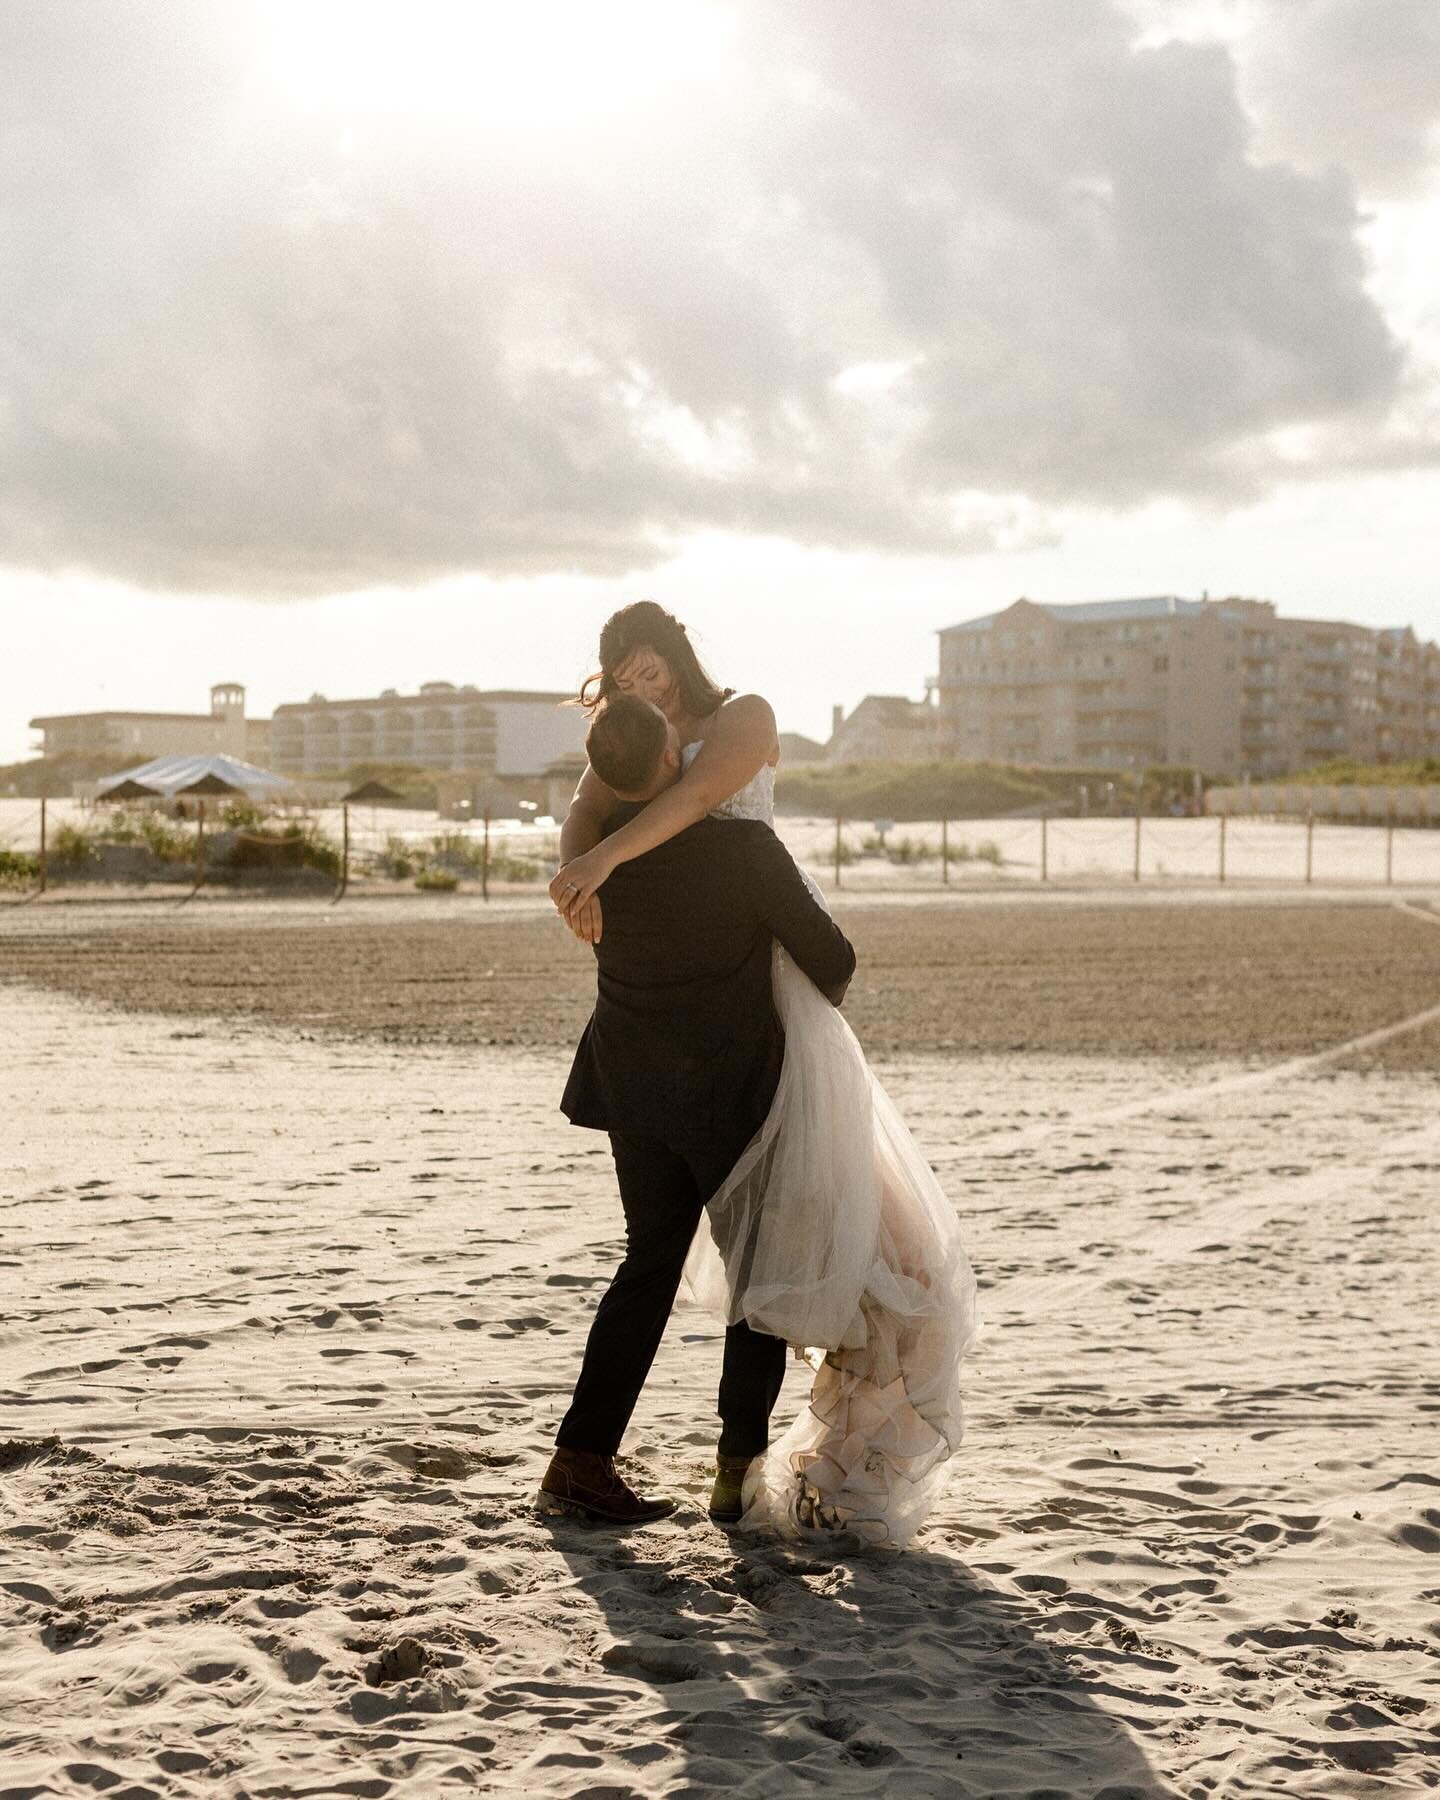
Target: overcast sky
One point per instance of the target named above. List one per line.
(352, 344)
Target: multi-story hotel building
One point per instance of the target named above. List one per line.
(135, 737)
(443, 727)
(1222, 685)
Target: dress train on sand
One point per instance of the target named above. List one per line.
(833, 1233)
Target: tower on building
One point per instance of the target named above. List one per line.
(227, 708)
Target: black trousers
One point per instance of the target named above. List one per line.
(663, 1192)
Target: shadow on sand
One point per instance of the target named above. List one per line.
(776, 1672)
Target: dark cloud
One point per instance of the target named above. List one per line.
(915, 263)
(1107, 300)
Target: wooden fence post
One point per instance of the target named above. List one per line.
(485, 860)
(1137, 840)
(1390, 838)
(1222, 846)
(200, 842)
(1044, 848)
(1310, 840)
(344, 850)
(43, 869)
(945, 853)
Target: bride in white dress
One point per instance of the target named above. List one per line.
(832, 1231)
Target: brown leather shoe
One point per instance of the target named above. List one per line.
(581, 1483)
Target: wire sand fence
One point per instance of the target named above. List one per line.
(334, 851)
(1110, 851)
(227, 844)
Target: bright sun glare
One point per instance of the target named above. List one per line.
(514, 66)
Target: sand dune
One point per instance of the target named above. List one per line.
(290, 1323)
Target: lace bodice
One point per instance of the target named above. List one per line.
(756, 800)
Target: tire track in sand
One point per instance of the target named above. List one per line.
(1244, 1207)
(1240, 1211)
(1242, 1082)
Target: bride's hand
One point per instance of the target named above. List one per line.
(575, 883)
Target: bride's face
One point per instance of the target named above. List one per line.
(646, 674)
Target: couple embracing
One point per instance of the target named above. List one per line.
(756, 1154)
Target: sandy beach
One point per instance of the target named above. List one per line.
(299, 1259)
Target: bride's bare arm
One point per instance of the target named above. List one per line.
(584, 826)
(741, 739)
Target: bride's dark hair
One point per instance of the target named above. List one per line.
(646, 624)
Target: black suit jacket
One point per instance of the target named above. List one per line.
(684, 1044)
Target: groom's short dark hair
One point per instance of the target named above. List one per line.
(625, 742)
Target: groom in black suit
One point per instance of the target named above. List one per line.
(679, 1064)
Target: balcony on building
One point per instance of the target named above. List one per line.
(1324, 737)
(1131, 710)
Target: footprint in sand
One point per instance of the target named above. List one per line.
(401, 1661)
(1422, 1537)
(437, 1462)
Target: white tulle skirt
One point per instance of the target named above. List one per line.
(833, 1233)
